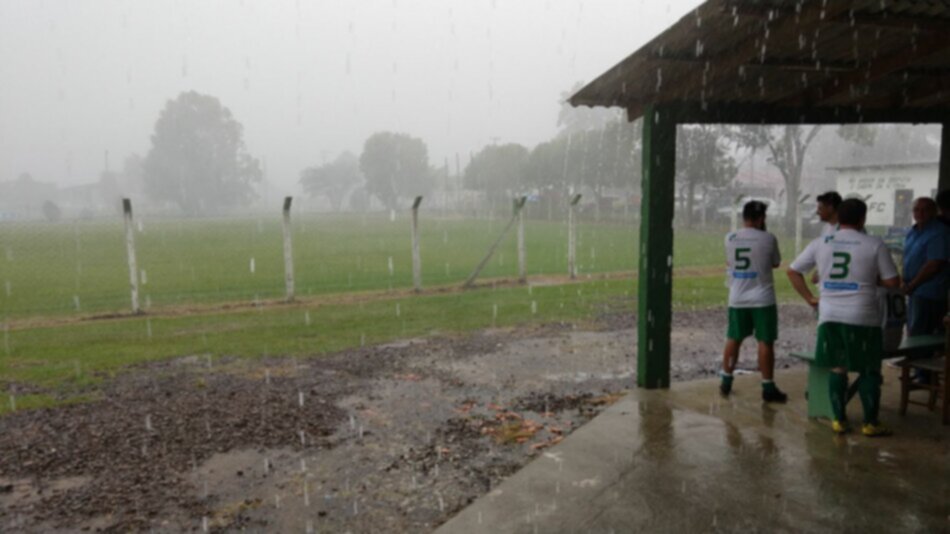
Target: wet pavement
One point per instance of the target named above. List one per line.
(685, 460)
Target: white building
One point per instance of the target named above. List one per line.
(888, 189)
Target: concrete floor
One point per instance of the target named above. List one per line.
(684, 460)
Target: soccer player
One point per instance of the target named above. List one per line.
(827, 211)
(751, 254)
(850, 263)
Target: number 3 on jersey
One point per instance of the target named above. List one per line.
(841, 266)
(743, 261)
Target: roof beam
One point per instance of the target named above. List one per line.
(882, 20)
(727, 66)
(880, 67)
(744, 113)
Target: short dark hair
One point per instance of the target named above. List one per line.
(831, 198)
(943, 200)
(754, 210)
(851, 211)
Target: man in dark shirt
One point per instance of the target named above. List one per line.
(925, 270)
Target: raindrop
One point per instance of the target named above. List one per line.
(397, 310)
(534, 307)
(148, 327)
(391, 269)
(148, 422)
(76, 302)
(12, 403)
(306, 494)
(306, 318)
(300, 398)
(252, 266)
(143, 276)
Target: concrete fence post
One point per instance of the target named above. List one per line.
(416, 258)
(288, 251)
(522, 253)
(130, 254)
(572, 236)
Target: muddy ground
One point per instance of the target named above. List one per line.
(396, 437)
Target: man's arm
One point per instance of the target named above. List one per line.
(891, 283)
(798, 282)
(930, 269)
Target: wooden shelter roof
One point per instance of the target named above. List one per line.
(790, 61)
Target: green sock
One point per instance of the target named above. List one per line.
(870, 392)
(838, 390)
(769, 386)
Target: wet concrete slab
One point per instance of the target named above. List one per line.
(685, 460)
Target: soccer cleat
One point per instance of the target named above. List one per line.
(773, 395)
(725, 388)
(872, 430)
(840, 427)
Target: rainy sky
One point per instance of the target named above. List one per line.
(307, 79)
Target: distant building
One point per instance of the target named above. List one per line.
(23, 198)
(888, 189)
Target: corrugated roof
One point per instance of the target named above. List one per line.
(774, 56)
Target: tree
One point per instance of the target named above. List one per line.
(573, 120)
(51, 211)
(198, 159)
(395, 165)
(703, 158)
(787, 146)
(497, 170)
(333, 179)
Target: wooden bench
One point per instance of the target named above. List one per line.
(819, 401)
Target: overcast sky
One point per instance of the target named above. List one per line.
(307, 79)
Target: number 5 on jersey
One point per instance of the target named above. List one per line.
(742, 259)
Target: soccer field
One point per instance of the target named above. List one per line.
(80, 267)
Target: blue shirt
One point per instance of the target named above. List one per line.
(932, 242)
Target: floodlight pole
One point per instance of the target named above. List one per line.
(288, 251)
(572, 237)
(130, 252)
(416, 261)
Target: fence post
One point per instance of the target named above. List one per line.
(288, 251)
(798, 224)
(736, 209)
(522, 253)
(416, 260)
(130, 253)
(572, 237)
(518, 205)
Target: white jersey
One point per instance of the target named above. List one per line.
(849, 266)
(828, 229)
(751, 255)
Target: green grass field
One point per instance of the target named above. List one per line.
(209, 261)
(62, 269)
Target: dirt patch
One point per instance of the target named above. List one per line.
(396, 437)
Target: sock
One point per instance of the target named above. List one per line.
(769, 385)
(838, 390)
(726, 377)
(870, 392)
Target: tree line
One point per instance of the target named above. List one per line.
(198, 160)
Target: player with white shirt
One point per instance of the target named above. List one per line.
(850, 265)
(751, 254)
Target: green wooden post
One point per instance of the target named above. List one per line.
(943, 177)
(656, 249)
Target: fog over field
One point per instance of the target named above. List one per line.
(306, 79)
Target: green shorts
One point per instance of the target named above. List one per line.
(857, 348)
(744, 321)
